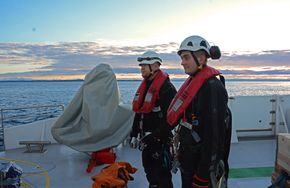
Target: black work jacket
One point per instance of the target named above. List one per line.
(206, 113)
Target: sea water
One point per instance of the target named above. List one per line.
(18, 94)
(234, 88)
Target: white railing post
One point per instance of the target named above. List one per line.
(277, 115)
(2, 117)
(273, 113)
(281, 113)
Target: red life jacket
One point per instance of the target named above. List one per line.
(151, 96)
(186, 93)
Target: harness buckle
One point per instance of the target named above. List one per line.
(186, 125)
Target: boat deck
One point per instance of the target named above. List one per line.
(67, 167)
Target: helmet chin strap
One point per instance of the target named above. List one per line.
(195, 59)
(151, 72)
(199, 66)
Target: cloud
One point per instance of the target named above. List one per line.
(264, 58)
(29, 60)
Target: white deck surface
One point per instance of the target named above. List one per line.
(67, 167)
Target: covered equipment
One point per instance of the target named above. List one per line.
(94, 119)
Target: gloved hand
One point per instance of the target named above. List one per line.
(134, 142)
(198, 182)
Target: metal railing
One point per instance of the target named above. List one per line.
(24, 115)
(259, 117)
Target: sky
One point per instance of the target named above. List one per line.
(65, 39)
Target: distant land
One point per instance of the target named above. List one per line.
(138, 79)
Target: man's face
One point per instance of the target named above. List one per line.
(188, 63)
(145, 70)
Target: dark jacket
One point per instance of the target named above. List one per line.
(207, 113)
(155, 122)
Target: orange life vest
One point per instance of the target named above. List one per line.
(151, 96)
(186, 93)
(115, 175)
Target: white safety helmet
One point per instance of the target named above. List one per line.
(148, 58)
(193, 44)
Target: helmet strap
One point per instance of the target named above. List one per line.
(151, 73)
(150, 68)
(195, 59)
(199, 66)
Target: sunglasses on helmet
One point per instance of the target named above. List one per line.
(139, 59)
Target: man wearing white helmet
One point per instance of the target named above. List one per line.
(150, 132)
(201, 112)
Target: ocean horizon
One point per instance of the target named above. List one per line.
(139, 79)
(32, 93)
(14, 91)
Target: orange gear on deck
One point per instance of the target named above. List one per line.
(105, 156)
(115, 175)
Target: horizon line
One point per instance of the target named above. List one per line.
(136, 79)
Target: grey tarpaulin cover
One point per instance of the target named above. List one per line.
(94, 119)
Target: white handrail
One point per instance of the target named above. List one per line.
(25, 108)
(30, 107)
(283, 118)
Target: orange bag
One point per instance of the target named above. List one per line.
(104, 156)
